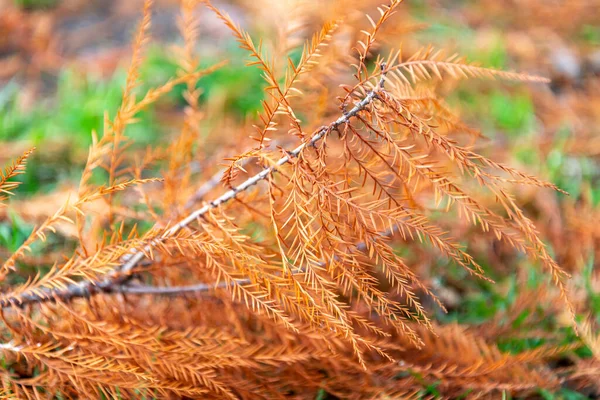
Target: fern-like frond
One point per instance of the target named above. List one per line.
(428, 63)
(15, 169)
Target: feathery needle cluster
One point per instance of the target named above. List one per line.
(291, 281)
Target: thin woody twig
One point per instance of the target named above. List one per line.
(122, 273)
(211, 183)
(174, 290)
(205, 287)
(204, 189)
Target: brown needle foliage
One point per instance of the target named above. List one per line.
(289, 281)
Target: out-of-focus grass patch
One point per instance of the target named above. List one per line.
(594, 297)
(562, 394)
(73, 113)
(14, 123)
(13, 232)
(490, 54)
(506, 108)
(488, 50)
(513, 114)
(574, 174)
(64, 122)
(476, 309)
(527, 155)
(61, 127)
(78, 106)
(482, 302)
(35, 4)
(590, 34)
(238, 88)
(519, 345)
(510, 112)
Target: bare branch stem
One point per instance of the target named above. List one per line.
(203, 287)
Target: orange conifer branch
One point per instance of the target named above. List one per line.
(122, 273)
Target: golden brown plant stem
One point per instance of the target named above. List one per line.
(205, 287)
(175, 290)
(205, 188)
(122, 273)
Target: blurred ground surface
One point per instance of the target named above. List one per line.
(61, 65)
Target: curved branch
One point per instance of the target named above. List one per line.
(174, 290)
(122, 273)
